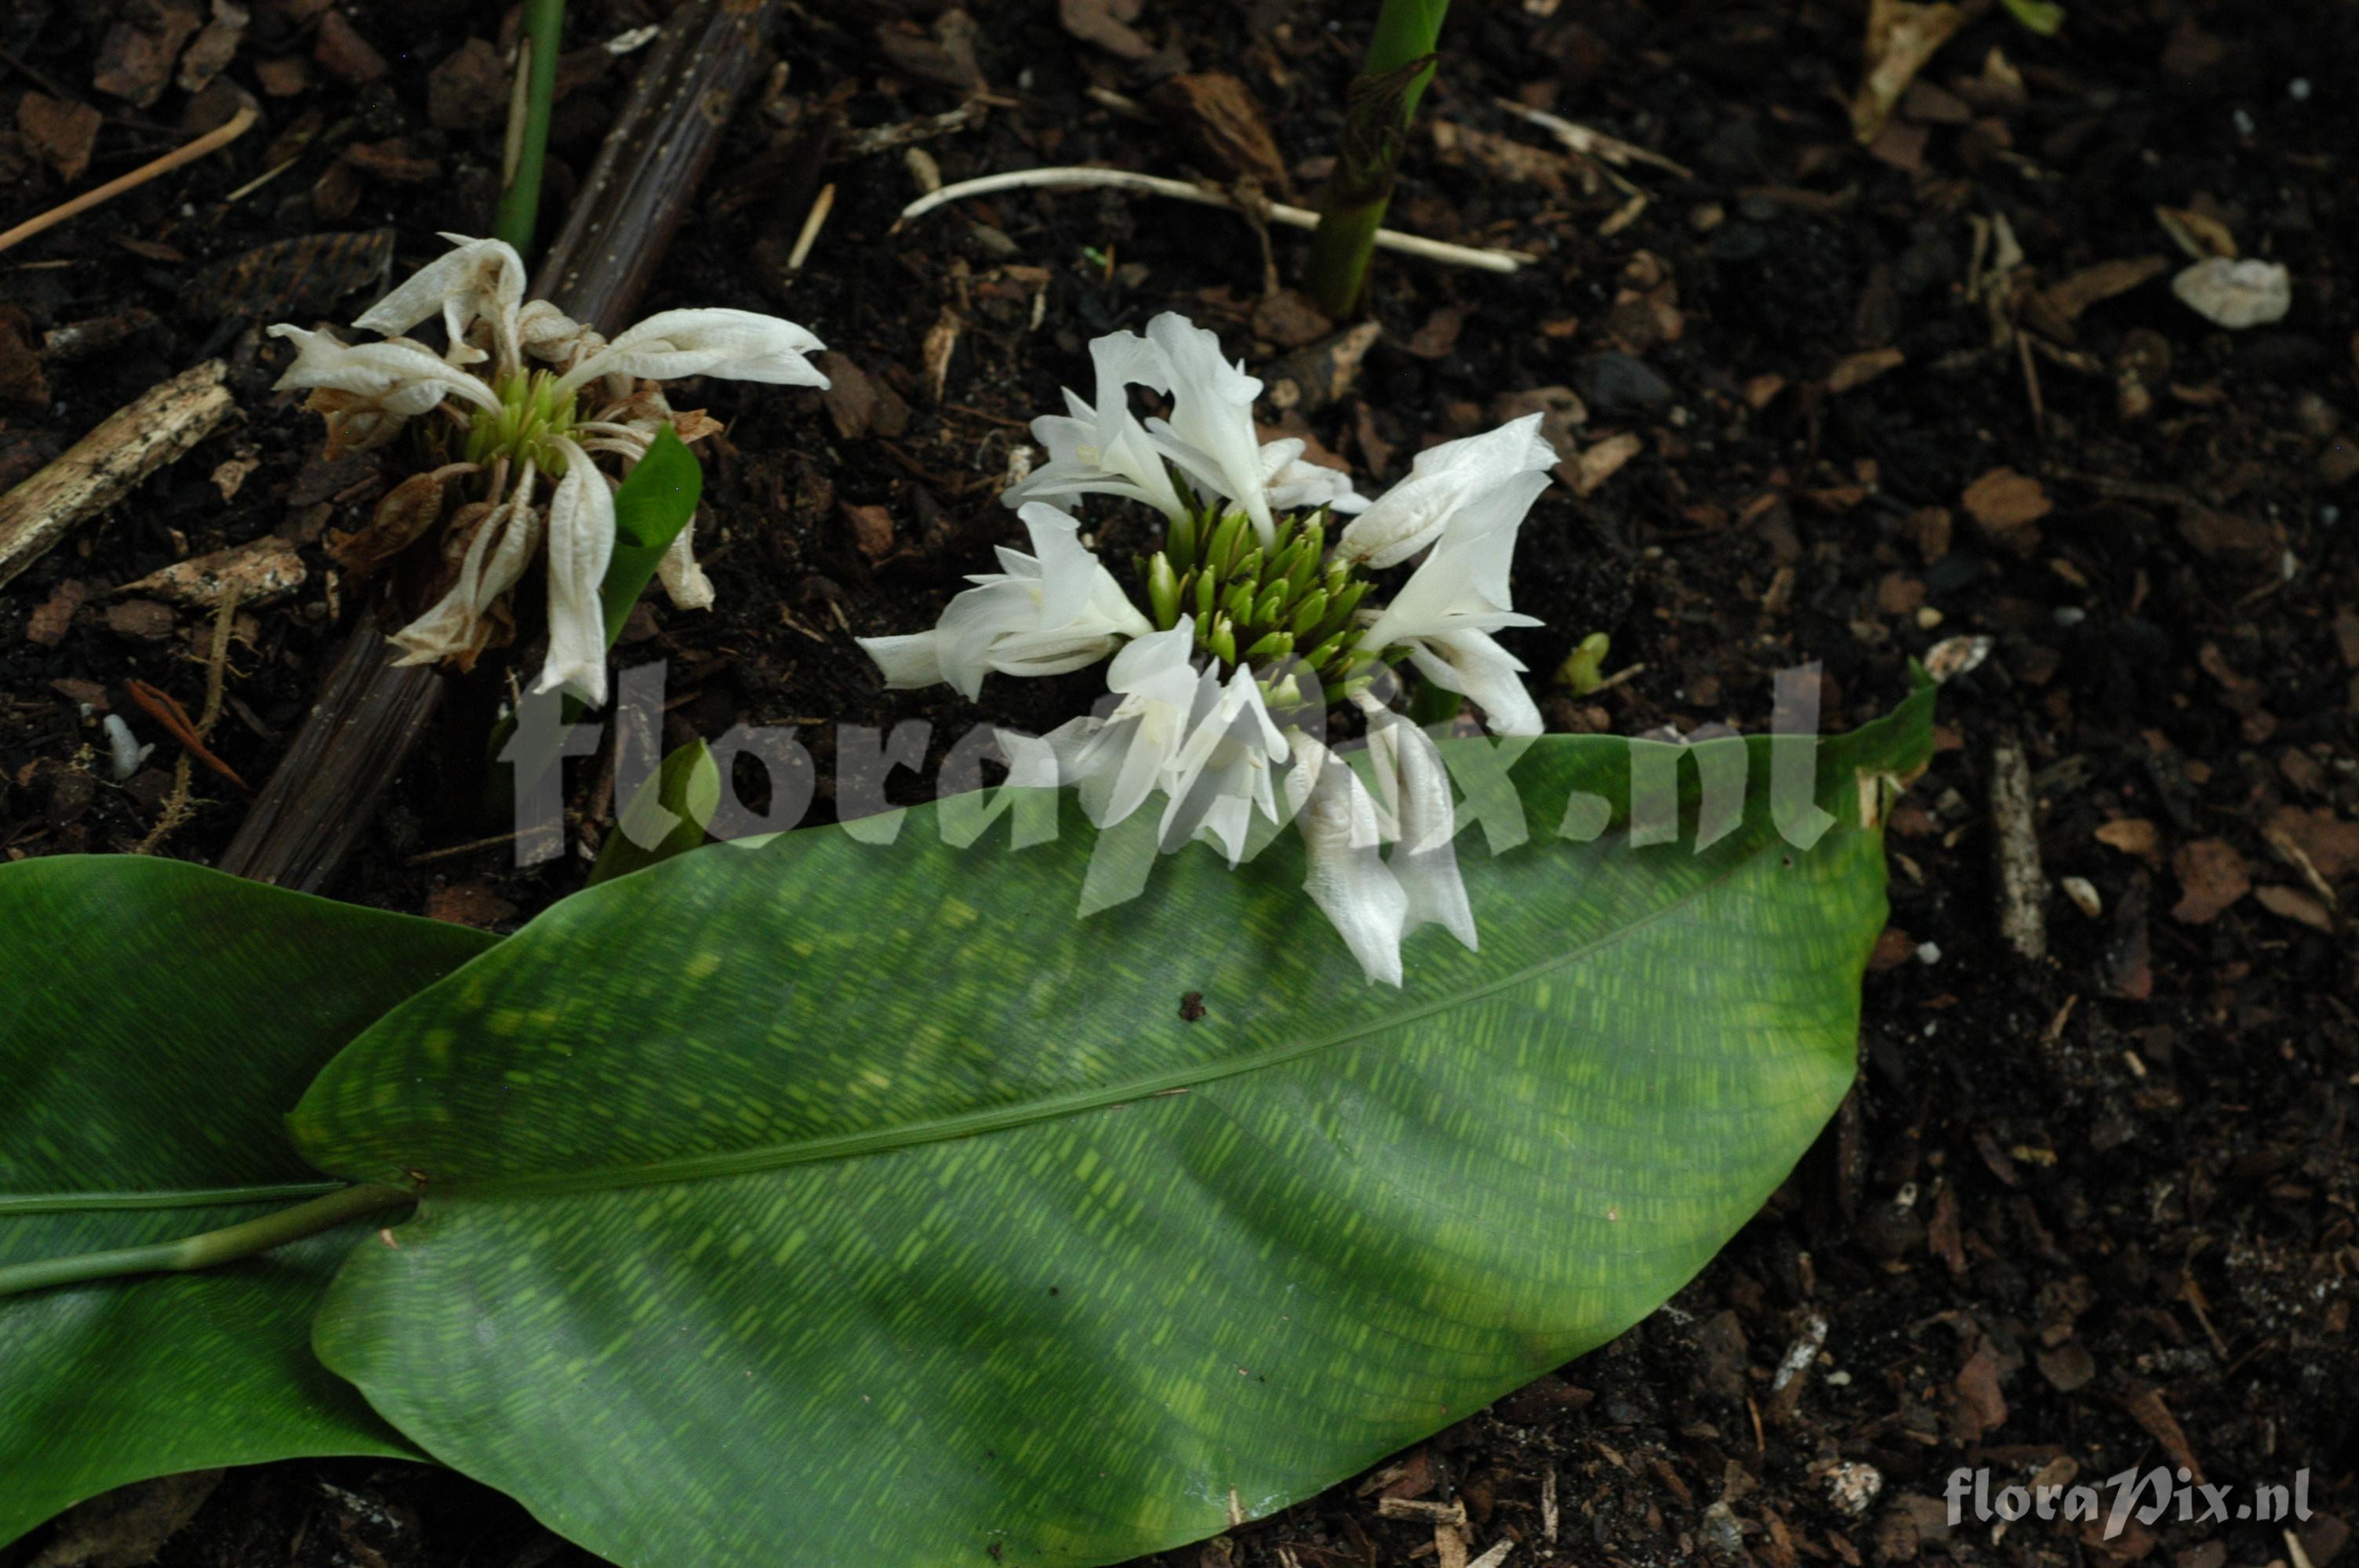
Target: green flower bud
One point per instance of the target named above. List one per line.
(1204, 591)
(1163, 591)
(1238, 602)
(1179, 541)
(1271, 645)
(1221, 554)
(1224, 641)
(1309, 612)
(1270, 605)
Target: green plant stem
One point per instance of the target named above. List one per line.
(1383, 101)
(210, 1249)
(527, 146)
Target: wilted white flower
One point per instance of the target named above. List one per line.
(1211, 434)
(524, 425)
(1296, 484)
(1043, 614)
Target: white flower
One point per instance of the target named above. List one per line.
(1210, 432)
(739, 345)
(402, 378)
(1207, 745)
(530, 424)
(1118, 761)
(1104, 451)
(1415, 784)
(1446, 613)
(1296, 485)
(1044, 614)
(457, 626)
(1221, 775)
(580, 543)
(1445, 482)
(476, 280)
(1344, 870)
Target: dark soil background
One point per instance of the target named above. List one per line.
(2084, 1212)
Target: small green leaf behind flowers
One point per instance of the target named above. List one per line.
(666, 817)
(654, 503)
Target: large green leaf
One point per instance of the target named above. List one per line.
(856, 1203)
(156, 1022)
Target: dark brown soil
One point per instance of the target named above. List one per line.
(2092, 1211)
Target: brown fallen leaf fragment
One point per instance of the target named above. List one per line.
(469, 903)
(60, 130)
(1858, 370)
(47, 625)
(343, 53)
(1223, 122)
(214, 47)
(2144, 1401)
(1901, 37)
(135, 58)
(257, 572)
(1107, 24)
(872, 530)
(2330, 843)
(129, 1525)
(2212, 876)
(2089, 285)
(1594, 465)
(944, 55)
(469, 90)
(2293, 903)
(2004, 499)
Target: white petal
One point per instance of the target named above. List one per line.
(1102, 448)
(1471, 664)
(580, 543)
(477, 279)
(1444, 482)
(1210, 432)
(496, 557)
(742, 345)
(906, 662)
(1296, 485)
(683, 580)
(1345, 873)
(1425, 861)
(405, 378)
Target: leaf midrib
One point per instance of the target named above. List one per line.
(1001, 1119)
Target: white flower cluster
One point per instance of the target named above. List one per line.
(1246, 554)
(591, 396)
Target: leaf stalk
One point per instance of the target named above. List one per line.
(210, 1249)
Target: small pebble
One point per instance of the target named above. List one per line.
(2244, 123)
(2299, 89)
(1929, 953)
(2069, 615)
(2083, 895)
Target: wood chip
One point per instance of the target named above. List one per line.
(2212, 876)
(257, 572)
(2004, 499)
(2023, 889)
(157, 428)
(62, 131)
(2293, 903)
(1223, 122)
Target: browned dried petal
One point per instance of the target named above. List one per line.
(402, 518)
